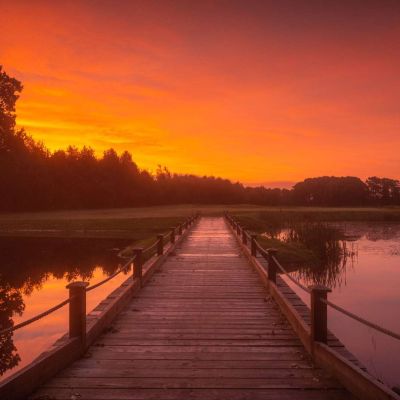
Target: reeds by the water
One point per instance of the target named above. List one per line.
(323, 254)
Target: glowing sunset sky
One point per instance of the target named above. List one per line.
(251, 90)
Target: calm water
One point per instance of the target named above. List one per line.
(34, 273)
(33, 276)
(368, 284)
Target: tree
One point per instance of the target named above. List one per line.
(383, 191)
(33, 178)
(10, 88)
(331, 191)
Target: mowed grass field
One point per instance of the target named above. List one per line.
(144, 222)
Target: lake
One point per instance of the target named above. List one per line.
(367, 283)
(35, 271)
(33, 275)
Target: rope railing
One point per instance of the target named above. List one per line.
(35, 318)
(295, 281)
(150, 251)
(318, 293)
(78, 290)
(370, 324)
(123, 268)
(261, 249)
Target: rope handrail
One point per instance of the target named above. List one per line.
(349, 314)
(35, 318)
(362, 320)
(151, 248)
(88, 289)
(295, 281)
(341, 309)
(63, 303)
(261, 249)
(123, 268)
(265, 254)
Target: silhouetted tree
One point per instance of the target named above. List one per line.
(331, 191)
(33, 178)
(383, 191)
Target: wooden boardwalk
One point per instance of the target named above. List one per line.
(202, 328)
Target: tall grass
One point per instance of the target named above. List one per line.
(314, 251)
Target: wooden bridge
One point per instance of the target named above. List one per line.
(206, 324)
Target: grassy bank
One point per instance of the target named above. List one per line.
(304, 237)
(148, 221)
(319, 214)
(89, 227)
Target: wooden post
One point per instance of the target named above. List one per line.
(180, 230)
(138, 262)
(272, 267)
(160, 245)
(77, 310)
(319, 313)
(172, 235)
(253, 245)
(244, 237)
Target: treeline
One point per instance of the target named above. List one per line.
(33, 178)
(346, 191)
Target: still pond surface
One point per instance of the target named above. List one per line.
(34, 273)
(367, 283)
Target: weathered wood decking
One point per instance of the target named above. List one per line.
(203, 327)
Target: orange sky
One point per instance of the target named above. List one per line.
(256, 91)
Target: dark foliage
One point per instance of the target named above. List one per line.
(33, 178)
(331, 191)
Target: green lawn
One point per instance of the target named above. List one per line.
(144, 222)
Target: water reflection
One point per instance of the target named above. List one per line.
(26, 264)
(339, 254)
(365, 280)
(10, 304)
(330, 252)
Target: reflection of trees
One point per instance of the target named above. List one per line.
(335, 254)
(332, 254)
(331, 272)
(10, 304)
(383, 232)
(372, 231)
(26, 263)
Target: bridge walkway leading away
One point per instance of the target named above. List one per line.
(202, 328)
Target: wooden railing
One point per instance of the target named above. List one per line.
(314, 336)
(84, 329)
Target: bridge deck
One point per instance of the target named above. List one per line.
(203, 328)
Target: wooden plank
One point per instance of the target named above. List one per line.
(118, 371)
(190, 382)
(204, 327)
(185, 394)
(192, 363)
